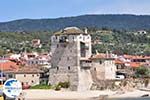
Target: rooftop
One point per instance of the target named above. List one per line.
(69, 31)
(9, 66)
(26, 70)
(102, 56)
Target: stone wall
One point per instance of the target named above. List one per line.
(64, 65)
(127, 84)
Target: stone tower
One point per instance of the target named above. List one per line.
(71, 50)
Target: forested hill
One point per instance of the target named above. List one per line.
(126, 22)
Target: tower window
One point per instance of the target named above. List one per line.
(100, 62)
(24, 75)
(57, 68)
(68, 67)
(87, 37)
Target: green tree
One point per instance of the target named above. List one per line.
(142, 72)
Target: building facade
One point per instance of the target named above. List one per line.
(72, 60)
(103, 66)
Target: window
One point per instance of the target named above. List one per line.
(37, 74)
(88, 37)
(32, 81)
(10, 76)
(36, 62)
(100, 62)
(33, 75)
(57, 68)
(24, 75)
(68, 67)
(57, 45)
(32, 62)
(94, 69)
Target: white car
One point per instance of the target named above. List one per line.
(120, 77)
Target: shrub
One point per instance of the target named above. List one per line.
(58, 87)
(41, 86)
(142, 72)
(64, 84)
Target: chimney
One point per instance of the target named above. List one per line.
(107, 54)
(85, 30)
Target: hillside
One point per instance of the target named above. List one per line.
(125, 22)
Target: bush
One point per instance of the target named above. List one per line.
(64, 84)
(41, 86)
(58, 87)
(142, 72)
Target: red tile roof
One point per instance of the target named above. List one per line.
(136, 57)
(8, 66)
(134, 64)
(117, 61)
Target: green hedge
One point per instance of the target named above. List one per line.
(41, 86)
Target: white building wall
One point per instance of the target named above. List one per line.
(104, 70)
(28, 79)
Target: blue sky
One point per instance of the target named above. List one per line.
(36, 9)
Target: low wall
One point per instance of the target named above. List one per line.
(118, 84)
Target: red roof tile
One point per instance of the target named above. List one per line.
(117, 61)
(8, 65)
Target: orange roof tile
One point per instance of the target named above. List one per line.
(134, 64)
(117, 61)
(8, 66)
(136, 57)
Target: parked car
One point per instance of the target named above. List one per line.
(120, 77)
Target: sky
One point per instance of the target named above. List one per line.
(38, 9)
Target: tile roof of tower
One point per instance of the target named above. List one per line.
(70, 31)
